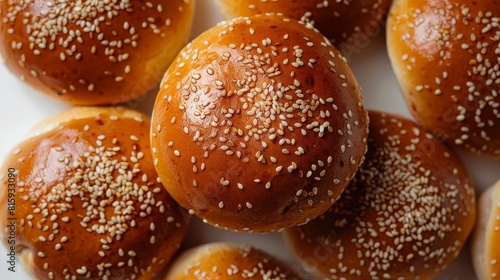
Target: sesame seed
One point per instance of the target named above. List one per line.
(82, 270)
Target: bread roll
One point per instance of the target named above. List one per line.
(445, 55)
(347, 24)
(484, 245)
(88, 204)
(406, 214)
(259, 125)
(93, 52)
(227, 261)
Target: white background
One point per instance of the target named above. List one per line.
(21, 108)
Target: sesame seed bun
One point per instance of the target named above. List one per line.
(259, 125)
(484, 246)
(93, 52)
(345, 23)
(226, 261)
(88, 200)
(406, 214)
(446, 58)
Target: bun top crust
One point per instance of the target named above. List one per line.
(88, 200)
(446, 57)
(93, 52)
(484, 245)
(345, 23)
(228, 261)
(259, 125)
(409, 210)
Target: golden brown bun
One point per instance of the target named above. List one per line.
(446, 58)
(485, 247)
(88, 202)
(259, 125)
(228, 261)
(98, 52)
(406, 214)
(345, 23)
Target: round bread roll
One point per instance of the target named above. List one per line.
(93, 52)
(484, 245)
(406, 214)
(346, 23)
(446, 58)
(228, 261)
(259, 125)
(88, 202)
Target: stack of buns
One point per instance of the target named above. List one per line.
(259, 126)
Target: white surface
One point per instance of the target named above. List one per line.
(21, 109)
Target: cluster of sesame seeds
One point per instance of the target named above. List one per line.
(325, 4)
(82, 30)
(397, 214)
(465, 40)
(247, 263)
(320, 12)
(267, 111)
(107, 194)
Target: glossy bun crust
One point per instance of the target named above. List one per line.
(406, 214)
(88, 202)
(227, 261)
(446, 57)
(259, 125)
(484, 245)
(93, 52)
(345, 23)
